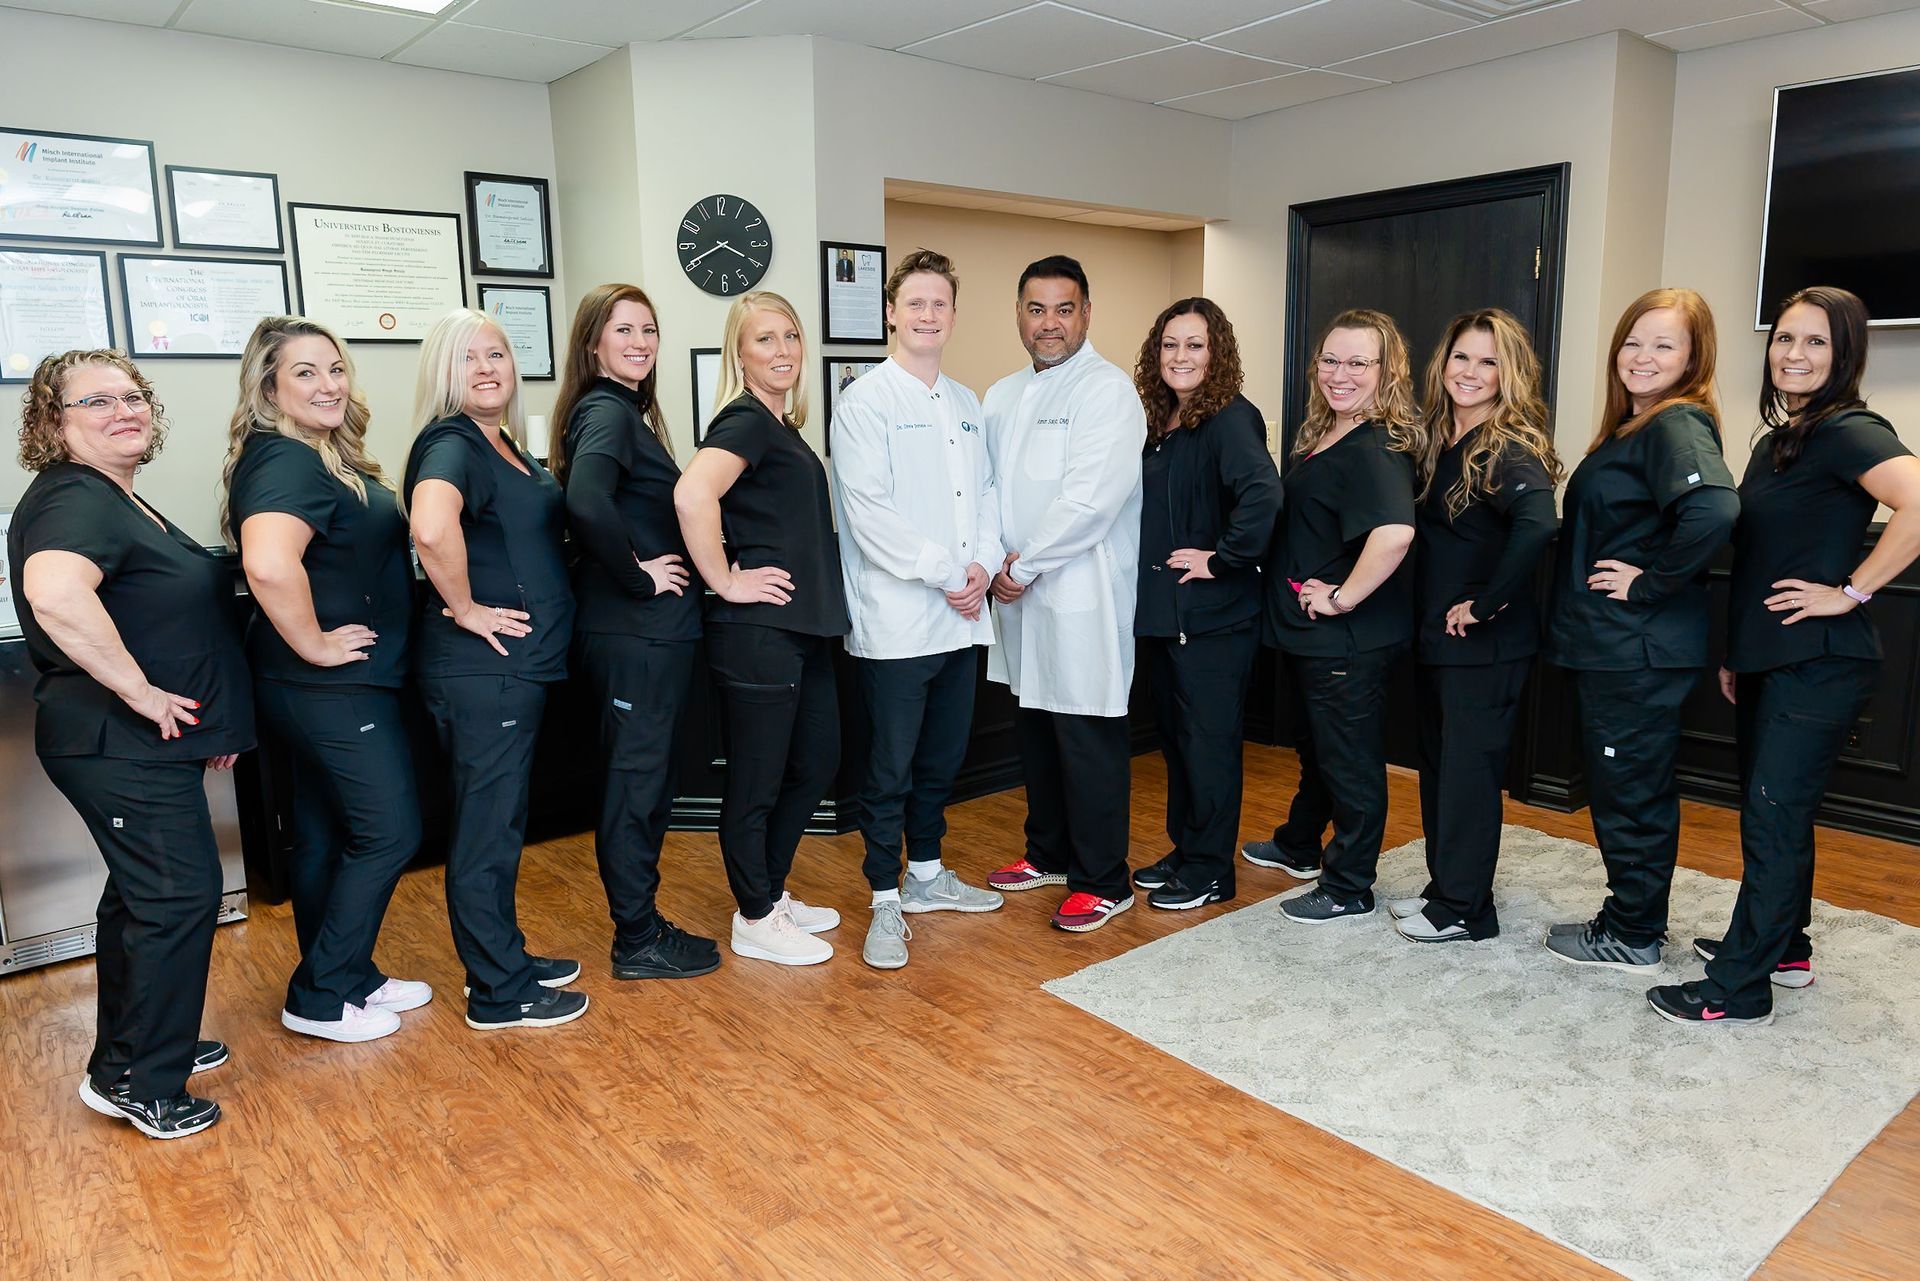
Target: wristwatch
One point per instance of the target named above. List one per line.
(1858, 595)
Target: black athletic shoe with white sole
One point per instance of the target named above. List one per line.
(1267, 854)
(549, 1009)
(1154, 875)
(1317, 907)
(1684, 1003)
(551, 972)
(671, 953)
(173, 1118)
(1178, 894)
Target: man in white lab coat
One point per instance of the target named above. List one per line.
(1065, 436)
(919, 537)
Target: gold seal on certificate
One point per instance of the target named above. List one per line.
(376, 275)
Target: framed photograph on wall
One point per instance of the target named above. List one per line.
(526, 313)
(706, 382)
(78, 186)
(204, 308)
(376, 275)
(839, 374)
(51, 300)
(509, 226)
(224, 209)
(853, 282)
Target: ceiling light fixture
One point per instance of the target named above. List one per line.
(428, 7)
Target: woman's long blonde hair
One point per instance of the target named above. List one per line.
(1393, 406)
(1696, 380)
(343, 451)
(1519, 414)
(732, 380)
(441, 390)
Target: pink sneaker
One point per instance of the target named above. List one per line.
(1023, 875)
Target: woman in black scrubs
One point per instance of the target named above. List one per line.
(324, 547)
(639, 614)
(1208, 505)
(1485, 517)
(142, 688)
(1338, 607)
(1802, 653)
(488, 522)
(1645, 512)
(772, 633)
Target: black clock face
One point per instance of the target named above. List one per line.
(725, 245)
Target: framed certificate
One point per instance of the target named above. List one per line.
(509, 226)
(224, 209)
(76, 186)
(840, 372)
(376, 275)
(525, 312)
(185, 308)
(51, 300)
(706, 383)
(852, 293)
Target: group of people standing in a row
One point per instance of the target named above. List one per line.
(1101, 513)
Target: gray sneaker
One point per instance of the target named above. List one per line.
(1593, 946)
(1572, 927)
(946, 893)
(886, 946)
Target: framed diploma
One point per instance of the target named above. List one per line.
(840, 373)
(376, 275)
(706, 383)
(75, 186)
(182, 308)
(224, 209)
(51, 300)
(509, 227)
(852, 284)
(525, 312)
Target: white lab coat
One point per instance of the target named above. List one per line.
(914, 489)
(1066, 446)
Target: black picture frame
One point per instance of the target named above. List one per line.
(831, 254)
(481, 267)
(106, 300)
(279, 245)
(829, 389)
(299, 282)
(702, 405)
(153, 192)
(134, 347)
(481, 288)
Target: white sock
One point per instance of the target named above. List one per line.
(924, 869)
(885, 896)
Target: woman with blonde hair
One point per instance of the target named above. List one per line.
(1338, 608)
(772, 633)
(324, 547)
(1485, 517)
(1645, 513)
(488, 522)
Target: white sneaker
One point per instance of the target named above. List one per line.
(1402, 908)
(814, 920)
(775, 937)
(399, 995)
(356, 1023)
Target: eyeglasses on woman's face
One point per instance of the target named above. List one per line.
(102, 406)
(1356, 365)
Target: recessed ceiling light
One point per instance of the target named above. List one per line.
(410, 6)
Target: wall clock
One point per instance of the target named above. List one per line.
(725, 245)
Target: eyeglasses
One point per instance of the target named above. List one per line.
(137, 402)
(1356, 366)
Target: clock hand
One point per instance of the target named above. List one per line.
(730, 249)
(695, 260)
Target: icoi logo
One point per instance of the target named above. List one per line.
(27, 151)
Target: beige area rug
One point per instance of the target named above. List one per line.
(1549, 1092)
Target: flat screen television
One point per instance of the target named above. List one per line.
(1843, 194)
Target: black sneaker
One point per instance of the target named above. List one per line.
(208, 1055)
(549, 1009)
(1683, 1003)
(671, 953)
(1317, 907)
(1267, 854)
(549, 972)
(1789, 973)
(173, 1118)
(1177, 894)
(1154, 875)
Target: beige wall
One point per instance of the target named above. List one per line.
(341, 130)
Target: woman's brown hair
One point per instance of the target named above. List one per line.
(1847, 338)
(1519, 414)
(42, 444)
(1696, 380)
(583, 366)
(1393, 406)
(1216, 391)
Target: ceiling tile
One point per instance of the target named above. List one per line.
(1846, 10)
(1039, 41)
(455, 46)
(1171, 73)
(881, 24)
(602, 22)
(1202, 18)
(1705, 35)
(147, 13)
(1341, 29)
(305, 24)
(1271, 95)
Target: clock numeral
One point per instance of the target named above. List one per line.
(709, 276)
(744, 282)
(724, 285)
(755, 223)
(756, 262)
(756, 244)
(720, 206)
(688, 244)
(691, 227)
(702, 207)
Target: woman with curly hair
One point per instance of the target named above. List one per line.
(1485, 517)
(1338, 608)
(142, 688)
(1209, 498)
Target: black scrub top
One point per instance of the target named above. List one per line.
(1808, 522)
(1334, 499)
(1211, 486)
(357, 561)
(778, 513)
(1461, 558)
(1618, 506)
(515, 525)
(608, 422)
(173, 604)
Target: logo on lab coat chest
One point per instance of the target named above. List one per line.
(967, 426)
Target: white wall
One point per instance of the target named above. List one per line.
(340, 130)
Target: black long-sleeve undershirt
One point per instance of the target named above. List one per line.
(596, 522)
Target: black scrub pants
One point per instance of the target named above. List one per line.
(356, 827)
(1342, 719)
(920, 710)
(783, 748)
(154, 935)
(642, 687)
(1792, 723)
(1466, 720)
(488, 725)
(1200, 701)
(1079, 774)
(1629, 738)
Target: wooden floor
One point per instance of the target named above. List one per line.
(949, 1119)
